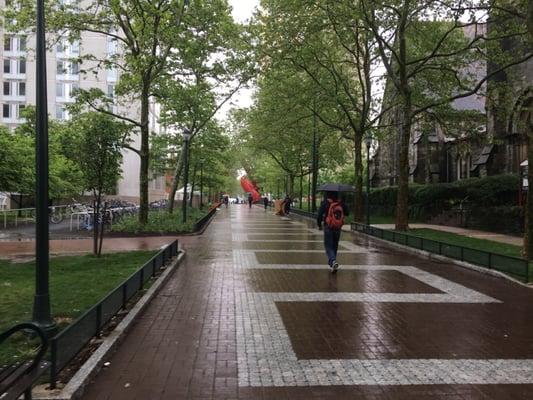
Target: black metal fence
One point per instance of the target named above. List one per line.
(70, 341)
(304, 213)
(198, 226)
(513, 266)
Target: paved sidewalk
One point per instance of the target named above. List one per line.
(473, 233)
(253, 313)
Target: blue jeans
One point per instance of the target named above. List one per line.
(331, 243)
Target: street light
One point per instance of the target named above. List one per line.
(41, 305)
(186, 138)
(368, 142)
(309, 166)
(202, 183)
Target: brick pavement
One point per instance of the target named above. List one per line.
(254, 314)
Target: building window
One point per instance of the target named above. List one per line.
(21, 108)
(6, 111)
(22, 89)
(7, 43)
(22, 66)
(74, 68)
(22, 43)
(61, 68)
(111, 91)
(7, 89)
(7, 66)
(60, 90)
(60, 113)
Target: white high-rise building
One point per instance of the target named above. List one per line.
(17, 80)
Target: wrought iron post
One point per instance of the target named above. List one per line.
(41, 304)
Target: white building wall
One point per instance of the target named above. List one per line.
(59, 86)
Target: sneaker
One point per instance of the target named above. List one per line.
(334, 266)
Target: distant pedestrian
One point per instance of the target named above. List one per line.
(250, 200)
(265, 202)
(226, 201)
(287, 205)
(332, 212)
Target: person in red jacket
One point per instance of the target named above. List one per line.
(332, 212)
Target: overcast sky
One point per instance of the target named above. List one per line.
(242, 11)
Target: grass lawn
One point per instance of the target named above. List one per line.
(161, 222)
(474, 243)
(76, 284)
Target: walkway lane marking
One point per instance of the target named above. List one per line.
(266, 358)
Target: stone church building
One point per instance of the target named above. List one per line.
(489, 135)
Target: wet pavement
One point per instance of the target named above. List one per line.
(254, 313)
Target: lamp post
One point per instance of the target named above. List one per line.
(277, 184)
(368, 142)
(309, 166)
(202, 183)
(315, 162)
(41, 304)
(186, 138)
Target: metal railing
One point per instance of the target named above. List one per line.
(514, 266)
(70, 341)
(304, 213)
(198, 225)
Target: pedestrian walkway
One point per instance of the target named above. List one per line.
(254, 313)
(473, 233)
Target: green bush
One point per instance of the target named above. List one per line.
(498, 190)
(160, 222)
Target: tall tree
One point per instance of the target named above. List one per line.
(431, 50)
(98, 155)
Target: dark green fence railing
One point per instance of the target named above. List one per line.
(70, 341)
(516, 267)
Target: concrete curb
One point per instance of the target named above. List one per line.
(438, 257)
(75, 387)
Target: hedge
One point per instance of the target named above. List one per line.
(492, 191)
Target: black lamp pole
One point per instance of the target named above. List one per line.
(41, 304)
(368, 141)
(202, 183)
(310, 166)
(277, 183)
(186, 138)
(315, 163)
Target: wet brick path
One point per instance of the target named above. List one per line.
(254, 313)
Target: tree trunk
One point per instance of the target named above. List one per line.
(529, 20)
(402, 201)
(102, 227)
(96, 215)
(358, 180)
(175, 183)
(145, 156)
(301, 189)
(528, 208)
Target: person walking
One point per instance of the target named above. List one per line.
(250, 200)
(226, 201)
(265, 202)
(287, 205)
(332, 212)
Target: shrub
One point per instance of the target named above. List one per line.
(160, 222)
(498, 190)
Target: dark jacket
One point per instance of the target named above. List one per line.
(323, 211)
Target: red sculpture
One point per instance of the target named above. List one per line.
(250, 187)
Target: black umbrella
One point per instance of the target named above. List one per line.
(335, 187)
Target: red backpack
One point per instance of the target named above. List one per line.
(335, 216)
